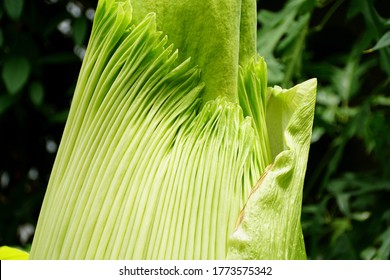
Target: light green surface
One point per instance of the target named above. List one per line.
(160, 153)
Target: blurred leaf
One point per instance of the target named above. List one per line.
(348, 80)
(375, 25)
(337, 188)
(275, 70)
(368, 253)
(340, 226)
(381, 100)
(14, 8)
(36, 92)
(10, 253)
(294, 31)
(79, 30)
(282, 34)
(327, 104)
(343, 203)
(326, 96)
(361, 216)
(383, 42)
(367, 9)
(386, 216)
(15, 73)
(318, 132)
(59, 117)
(383, 252)
(5, 102)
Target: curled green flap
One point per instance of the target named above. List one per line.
(269, 224)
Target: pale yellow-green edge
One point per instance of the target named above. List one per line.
(10, 253)
(269, 225)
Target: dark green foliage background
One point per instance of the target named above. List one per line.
(344, 43)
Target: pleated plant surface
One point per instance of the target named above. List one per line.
(144, 169)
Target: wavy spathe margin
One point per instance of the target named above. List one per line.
(269, 224)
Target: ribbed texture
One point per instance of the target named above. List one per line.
(142, 171)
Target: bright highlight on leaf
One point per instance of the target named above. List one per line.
(10, 253)
(163, 148)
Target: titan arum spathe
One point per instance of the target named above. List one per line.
(165, 153)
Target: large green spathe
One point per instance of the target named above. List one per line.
(161, 152)
(217, 35)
